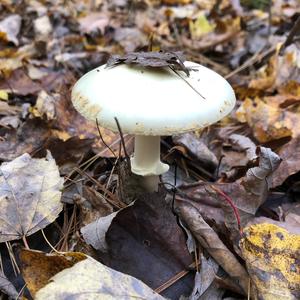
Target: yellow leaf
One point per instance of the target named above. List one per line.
(38, 267)
(3, 95)
(272, 259)
(200, 27)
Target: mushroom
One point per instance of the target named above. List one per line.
(152, 102)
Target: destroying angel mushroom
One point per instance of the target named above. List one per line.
(150, 102)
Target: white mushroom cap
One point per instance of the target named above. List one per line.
(151, 101)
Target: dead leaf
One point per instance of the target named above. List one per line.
(271, 254)
(151, 59)
(280, 70)
(237, 157)
(6, 109)
(94, 21)
(10, 121)
(197, 149)
(30, 196)
(98, 281)
(145, 241)
(268, 122)
(42, 27)
(290, 154)
(94, 233)
(7, 287)
(130, 38)
(200, 27)
(70, 122)
(45, 105)
(29, 137)
(38, 267)
(247, 194)
(9, 29)
(176, 2)
(205, 277)
(75, 275)
(210, 241)
(210, 40)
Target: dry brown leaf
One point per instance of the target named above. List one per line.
(210, 241)
(6, 109)
(28, 138)
(247, 194)
(272, 257)
(45, 105)
(30, 192)
(75, 275)
(268, 122)
(280, 70)
(197, 149)
(290, 154)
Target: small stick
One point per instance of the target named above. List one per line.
(186, 82)
(122, 140)
(25, 242)
(290, 38)
(101, 137)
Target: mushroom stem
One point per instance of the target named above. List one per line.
(146, 160)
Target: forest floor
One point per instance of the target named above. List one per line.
(74, 221)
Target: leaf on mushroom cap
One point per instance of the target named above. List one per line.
(174, 60)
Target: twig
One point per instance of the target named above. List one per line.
(258, 56)
(101, 137)
(122, 140)
(175, 278)
(179, 75)
(25, 242)
(290, 38)
(47, 241)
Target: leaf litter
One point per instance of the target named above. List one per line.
(236, 195)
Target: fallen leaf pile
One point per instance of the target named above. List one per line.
(76, 223)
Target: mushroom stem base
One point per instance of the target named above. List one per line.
(150, 183)
(146, 160)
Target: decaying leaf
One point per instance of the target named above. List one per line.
(30, 191)
(94, 233)
(77, 276)
(205, 277)
(238, 158)
(29, 137)
(197, 149)
(290, 154)
(38, 267)
(267, 120)
(9, 28)
(210, 241)
(272, 257)
(7, 287)
(151, 59)
(247, 194)
(146, 236)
